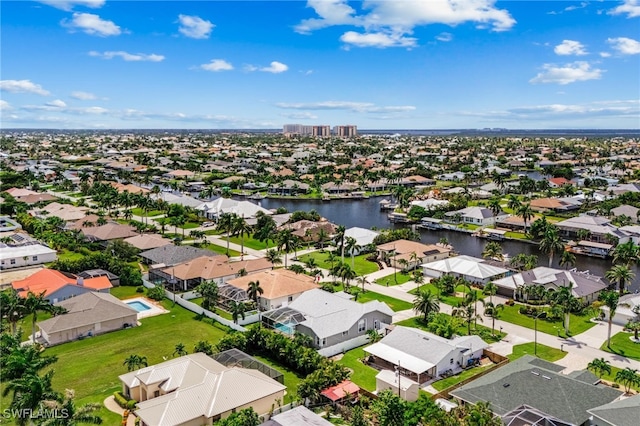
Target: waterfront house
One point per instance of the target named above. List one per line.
(626, 210)
(480, 216)
(599, 228)
(334, 322)
(88, 314)
(414, 253)
(422, 356)
(364, 237)
(169, 255)
(539, 385)
(215, 208)
(556, 205)
(196, 390)
(472, 269)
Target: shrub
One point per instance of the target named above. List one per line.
(121, 400)
(156, 293)
(509, 302)
(615, 385)
(140, 289)
(131, 404)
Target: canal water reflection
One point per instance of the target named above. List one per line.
(367, 214)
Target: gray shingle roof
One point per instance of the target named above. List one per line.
(172, 254)
(536, 383)
(625, 412)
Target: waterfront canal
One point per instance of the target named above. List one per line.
(366, 213)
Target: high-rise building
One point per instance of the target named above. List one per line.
(301, 129)
(321, 131)
(347, 131)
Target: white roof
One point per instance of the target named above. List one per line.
(466, 265)
(7, 252)
(390, 377)
(362, 236)
(408, 362)
(183, 200)
(227, 205)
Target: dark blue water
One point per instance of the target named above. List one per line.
(367, 214)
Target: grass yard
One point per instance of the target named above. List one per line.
(447, 299)
(250, 242)
(68, 255)
(361, 265)
(577, 324)
(480, 330)
(125, 292)
(190, 225)
(611, 378)
(220, 249)
(362, 375)
(394, 279)
(465, 374)
(544, 352)
(151, 213)
(622, 345)
(395, 304)
(218, 311)
(291, 378)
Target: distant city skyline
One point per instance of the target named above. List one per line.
(377, 64)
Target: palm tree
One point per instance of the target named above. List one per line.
(551, 243)
(33, 304)
(468, 315)
(179, 350)
(254, 290)
(373, 335)
(626, 254)
(609, 298)
(426, 303)
(526, 213)
(322, 236)
(210, 294)
(621, 275)
(363, 280)
(29, 392)
(133, 362)
(514, 203)
(237, 310)
(339, 240)
(493, 312)
(628, 377)
(74, 415)
(492, 250)
(287, 241)
(494, 205)
(24, 359)
(564, 299)
(225, 225)
(273, 257)
(490, 289)
(600, 366)
(351, 246)
(11, 308)
(241, 227)
(567, 259)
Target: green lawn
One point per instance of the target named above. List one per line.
(91, 366)
(151, 213)
(395, 304)
(291, 378)
(480, 330)
(218, 311)
(189, 225)
(611, 378)
(577, 324)
(465, 374)
(544, 352)
(622, 345)
(250, 242)
(68, 255)
(362, 375)
(125, 292)
(394, 279)
(447, 299)
(220, 249)
(212, 232)
(361, 265)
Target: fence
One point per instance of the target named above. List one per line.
(344, 346)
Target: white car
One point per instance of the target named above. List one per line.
(207, 224)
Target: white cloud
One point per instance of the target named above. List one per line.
(631, 8)
(300, 116)
(22, 86)
(624, 45)
(217, 65)
(380, 40)
(570, 47)
(83, 96)
(194, 26)
(366, 107)
(576, 7)
(569, 73)
(604, 54)
(275, 68)
(92, 24)
(394, 20)
(444, 37)
(129, 57)
(57, 104)
(4, 105)
(70, 4)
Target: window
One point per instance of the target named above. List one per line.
(35, 258)
(13, 261)
(362, 325)
(156, 394)
(344, 333)
(324, 342)
(290, 298)
(376, 324)
(451, 361)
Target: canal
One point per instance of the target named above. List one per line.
(366, 213)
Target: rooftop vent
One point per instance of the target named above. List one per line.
(506, 385)
(546, 377)
(535, 373)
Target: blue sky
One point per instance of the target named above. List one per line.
(383, 64)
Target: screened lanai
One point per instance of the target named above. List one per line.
(229, 293)
(237, 358)
(283, 320)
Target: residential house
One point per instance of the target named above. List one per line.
(183, 200)
(88, 314)
(109, 231)
(195, 390)
(147, 241)
(598, 228)
(289, 187)
(58, 286)
(8, 224)
(94, 273)
(334, 322)
(364, 237)
(308, 230)
(17, 256)
(422, 356)
(628, 309)
(170, 255)
(538, 384)
(626, 210)
(480, 216)
(66, 212)
(556, 205)
(584, 286)
(472, 269)
(214, 209)
(414, 253)
(623, 412)
(280, 287)
(560, 182)
(299, 416)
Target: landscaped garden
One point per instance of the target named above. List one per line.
(622, 344)
(449, 299)
(361, 265)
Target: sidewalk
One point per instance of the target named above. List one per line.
(111, 405)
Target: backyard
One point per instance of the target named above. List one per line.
(362, 375)
(367, 296)
(464, 375)
(361, 265)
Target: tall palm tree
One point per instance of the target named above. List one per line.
(210, 294)
(29, 392)
(490, 289)
(551, 243)
(339, 238)
(567, 259)
(254, 290)
(351, 246)
(74, 415)
(425, 303)
(240, 227)
(526, 213)
(567, 302)
(237, 310)
(33, 304)
(493, 312)
(11, 308)
(225, 225)
(626, 254)
(322, 236)
(621, 275)
(468, 315)
(610, 299)
(514, 203)
(600, 366)
(134, 362)
(273, 256)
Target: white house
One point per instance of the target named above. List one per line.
(214, 209)
(363, 237)
(470, 268)
(422, 356)
(27, 255)
(480, 216)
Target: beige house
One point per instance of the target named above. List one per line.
(414, 253)
(87, 315)
(280, 287)
(196, 390)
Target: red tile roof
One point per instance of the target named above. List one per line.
(50, 281)
(339, 391)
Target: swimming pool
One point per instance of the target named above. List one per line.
(138, 306)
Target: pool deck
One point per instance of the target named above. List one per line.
(154, 307)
